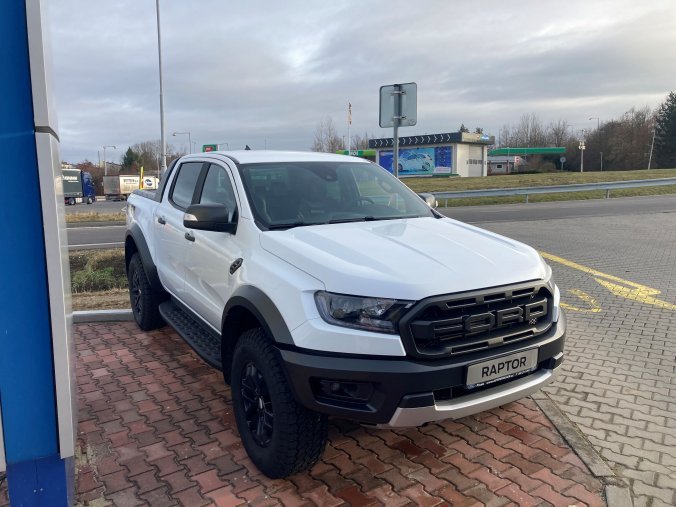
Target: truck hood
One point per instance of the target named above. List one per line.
(405, 259)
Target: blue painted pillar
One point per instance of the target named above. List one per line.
(36, 370)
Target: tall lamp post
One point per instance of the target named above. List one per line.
(598, 129)
(105, 166)
(163, 157)
(189, 138)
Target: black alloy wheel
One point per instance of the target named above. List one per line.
(260, 416)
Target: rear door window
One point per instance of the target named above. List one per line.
(184, 186)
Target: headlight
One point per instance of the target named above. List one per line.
(372, 314)
(556, 294)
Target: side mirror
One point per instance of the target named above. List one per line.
(429, 199)
(209, 217)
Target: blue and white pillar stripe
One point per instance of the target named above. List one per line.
(36, 355)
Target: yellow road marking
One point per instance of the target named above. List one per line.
(593, 304)
(622, 288)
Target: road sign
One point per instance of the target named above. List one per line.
(562, 160)
(398, 108)
(399, 104)
(209, 147)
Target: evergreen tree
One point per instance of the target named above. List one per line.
(130, 158)
(665, 133)
(463, 128)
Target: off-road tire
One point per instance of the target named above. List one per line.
(298, 434)
(144, 300)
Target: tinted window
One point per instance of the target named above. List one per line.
(184, 187)
(307, 193)
(218, 189)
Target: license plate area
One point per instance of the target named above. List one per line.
(501, 368)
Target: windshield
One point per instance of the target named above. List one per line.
(292, 194)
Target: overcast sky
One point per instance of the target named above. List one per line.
(265, 73)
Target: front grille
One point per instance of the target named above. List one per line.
(462, 323)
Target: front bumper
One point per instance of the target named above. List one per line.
(406, 392)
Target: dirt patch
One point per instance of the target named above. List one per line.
(114, 299)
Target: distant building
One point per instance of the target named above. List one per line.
(448, 154)
(504, 164)
(510, 160)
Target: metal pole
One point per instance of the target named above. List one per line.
(349, 122)
(397, 119)
(163, 156)
(105, 168)
(650, 159)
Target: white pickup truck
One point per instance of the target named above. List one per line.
(322, 286)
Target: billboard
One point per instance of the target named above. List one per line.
(435, 161)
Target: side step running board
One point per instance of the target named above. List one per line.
(203, 340)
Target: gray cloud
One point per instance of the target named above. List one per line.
(265, 73)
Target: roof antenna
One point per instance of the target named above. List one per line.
(247, 147)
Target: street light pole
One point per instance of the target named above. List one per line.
(105, 166)
(650, 159)
(189, 138)
(598, 129)
(163, 157)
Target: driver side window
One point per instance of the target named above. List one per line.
(218, 189)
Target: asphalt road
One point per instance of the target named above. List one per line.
(112, 236)
(564, 209)
(97, 207)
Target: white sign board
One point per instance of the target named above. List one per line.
(407, 113)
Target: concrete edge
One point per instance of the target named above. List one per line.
(83, 317)
(100, 223)
(616, 490)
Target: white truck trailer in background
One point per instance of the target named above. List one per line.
(118, 188)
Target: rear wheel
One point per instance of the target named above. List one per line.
(144, 301)
(280, 436)
(71, 201)
(89, 200)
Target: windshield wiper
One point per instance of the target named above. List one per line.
(353, 219)
(289, 225)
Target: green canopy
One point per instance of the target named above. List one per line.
(527, 151)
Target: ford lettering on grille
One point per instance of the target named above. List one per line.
(483, 322)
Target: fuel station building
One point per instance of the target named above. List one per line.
(448, 154)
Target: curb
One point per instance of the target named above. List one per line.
(84, 317)
(111, 223)
(616, 490)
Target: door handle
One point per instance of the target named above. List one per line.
(189, 236)
(161, 220)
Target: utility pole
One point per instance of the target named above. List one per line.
(163, 157)
(650, 159)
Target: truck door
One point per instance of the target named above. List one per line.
(208, 282)
(170, 241)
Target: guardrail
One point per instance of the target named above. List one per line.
(577, 187)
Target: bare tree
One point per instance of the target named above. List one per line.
(326, 137)
(360, 142)
(558, 132)
(149, 153)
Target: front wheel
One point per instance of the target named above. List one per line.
(281, 437)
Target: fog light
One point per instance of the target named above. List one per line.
(359, 392)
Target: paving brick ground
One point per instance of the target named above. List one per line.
(619, 381)
(156, 428)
